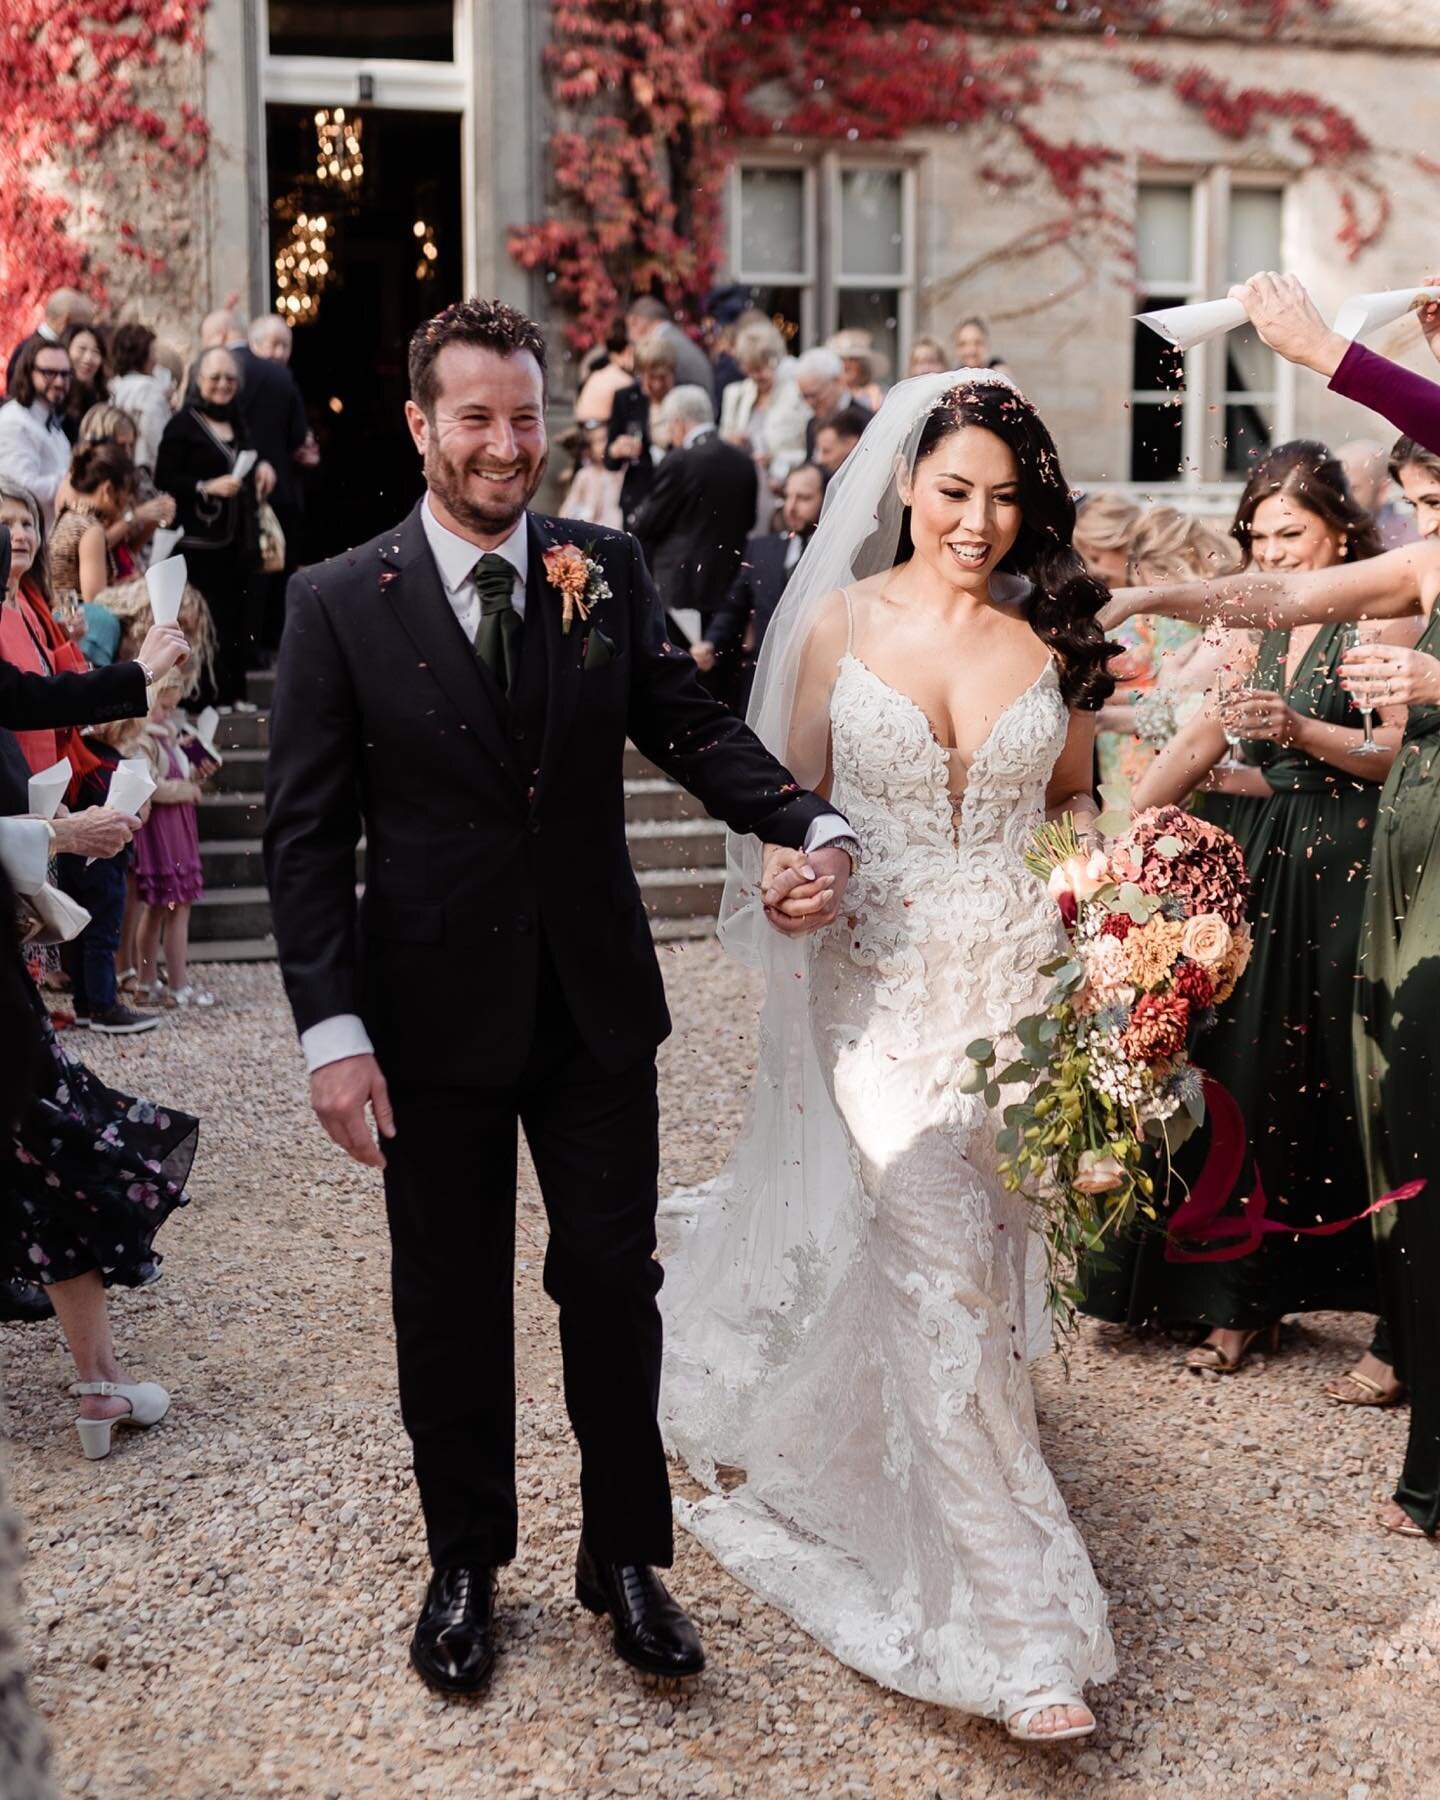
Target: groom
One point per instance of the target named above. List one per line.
(462, 688)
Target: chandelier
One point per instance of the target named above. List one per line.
(338, 157)
(302, 267)
(425, 269)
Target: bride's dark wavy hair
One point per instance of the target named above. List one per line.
(1064, 599)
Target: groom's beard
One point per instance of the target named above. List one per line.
(449, 482)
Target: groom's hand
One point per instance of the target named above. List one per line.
(340, 1092)
(806, 894)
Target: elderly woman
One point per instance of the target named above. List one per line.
(765, 415)
(863, 365)
(207, 464)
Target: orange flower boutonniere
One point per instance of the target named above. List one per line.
(579, 579)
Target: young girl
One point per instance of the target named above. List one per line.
(167, 856)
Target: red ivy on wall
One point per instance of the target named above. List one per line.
(651, 91)
(69, 74)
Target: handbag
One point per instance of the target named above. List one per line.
(50, 916)
(272, 541)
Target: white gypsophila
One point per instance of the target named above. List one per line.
(1114, 1074)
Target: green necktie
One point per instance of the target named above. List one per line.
(497, 638)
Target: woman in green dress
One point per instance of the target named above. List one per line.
(1397, 1025)
(1282, 1043)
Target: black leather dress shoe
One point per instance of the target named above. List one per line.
(652, 1633)
(453, 1649)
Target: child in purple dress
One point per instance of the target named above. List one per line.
(167, 856)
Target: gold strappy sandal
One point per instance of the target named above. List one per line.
(1210, 1359)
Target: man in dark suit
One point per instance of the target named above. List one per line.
(627, 444)
(462, 688)
(693, 523)
(738, 626)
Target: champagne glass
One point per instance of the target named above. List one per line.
(1356, 636)
(1234, 680)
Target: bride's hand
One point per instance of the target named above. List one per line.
(781, 862)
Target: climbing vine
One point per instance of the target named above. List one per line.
(71, 79)
(651, 94)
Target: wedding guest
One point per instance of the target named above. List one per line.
(1282, 1045)
(927, 357)
(217, 510)
(838, 436)
(34, 450)
(102, 482)
(738, 625)
(1162, 675)
(65, 307)
(597, 396)
(648, 320)
(594, 491)
(765, 415)
(862, 365)
(630, 443)
(727, 312)
(972, 346)
(1103, 531)
(693, 524)
(27, 639)
(1397, 1005)
(88, 382)
(1288, 320)
(1366, 466)
(820, 381)
(100, 885)
(270, 337)
(136, 387)
(149, 509)
(168, 871)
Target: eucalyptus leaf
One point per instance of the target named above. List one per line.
(992, 1095)
(981, 1051)
(1168, 846)
(972, 1078)
(1016, 1071)
(1113, 823)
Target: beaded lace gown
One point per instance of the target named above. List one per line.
(896, 1502)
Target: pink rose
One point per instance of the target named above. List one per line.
(1081, 875)
(1206, 939)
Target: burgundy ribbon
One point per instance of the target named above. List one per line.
(1198, 1220)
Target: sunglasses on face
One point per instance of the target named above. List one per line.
(52, 374)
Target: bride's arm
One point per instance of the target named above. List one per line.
(1073, 777)
(1391, 586)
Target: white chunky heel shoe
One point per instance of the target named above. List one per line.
(149, 1403)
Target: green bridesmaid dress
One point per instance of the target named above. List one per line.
(1283, 1042)
(1397, 1053)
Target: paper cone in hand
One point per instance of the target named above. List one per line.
(47, 789)
(130, 786)
(1362, 314)
(1188, 326)
(166, 583)
(164, 543)
(205, 728)
(244, 463)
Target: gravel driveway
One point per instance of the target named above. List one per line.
(223, 1607)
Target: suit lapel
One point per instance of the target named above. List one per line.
(413, 587)
(564, 650)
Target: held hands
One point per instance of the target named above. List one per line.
(1261, 716)
(704, 655)
(1289, 322)
(1377, 675)
(163, 649)
(802, 893)
(339, 1094)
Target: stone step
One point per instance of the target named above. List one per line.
(242, 772)
(232, 815)
(231, 915)
(659, 799)
(239, 862)
(260, 687)
(676, 844)
(681, 893)
(242, 731)
(236, 950)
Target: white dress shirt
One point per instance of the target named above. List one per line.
(334, 1039)
(34, 452)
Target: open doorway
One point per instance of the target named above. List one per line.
(349, 358)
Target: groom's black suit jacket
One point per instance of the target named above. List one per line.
(488, 823)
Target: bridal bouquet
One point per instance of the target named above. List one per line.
(1158, 940)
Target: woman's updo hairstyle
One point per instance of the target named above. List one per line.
(99, 461)
(1063, 599)
(1308, 473)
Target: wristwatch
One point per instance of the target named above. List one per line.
(851, 847)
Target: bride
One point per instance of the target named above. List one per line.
(845, 1308)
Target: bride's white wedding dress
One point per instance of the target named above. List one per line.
(865, 1364)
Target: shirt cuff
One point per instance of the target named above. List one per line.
(828, 829)
(25, 853)
(332, 1040)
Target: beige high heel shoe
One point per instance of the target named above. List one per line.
(149, 1404)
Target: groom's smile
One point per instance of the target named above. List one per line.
(482, 439)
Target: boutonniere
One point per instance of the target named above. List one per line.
(579, 580)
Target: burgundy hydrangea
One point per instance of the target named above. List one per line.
(1206, 874)
(1193, 983)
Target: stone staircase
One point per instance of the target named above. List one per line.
(678, 853)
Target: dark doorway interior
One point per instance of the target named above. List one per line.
(350, 360)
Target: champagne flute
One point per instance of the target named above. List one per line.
(1356, 636)
(1233, 681)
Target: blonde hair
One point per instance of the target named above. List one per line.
(103, 421)
(760, 343)
(118, 734)
(931, 346)
(1106, 522)
(130, 602)
(654, 353)
(1174, 546)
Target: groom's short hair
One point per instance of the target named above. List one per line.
(489, 323)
